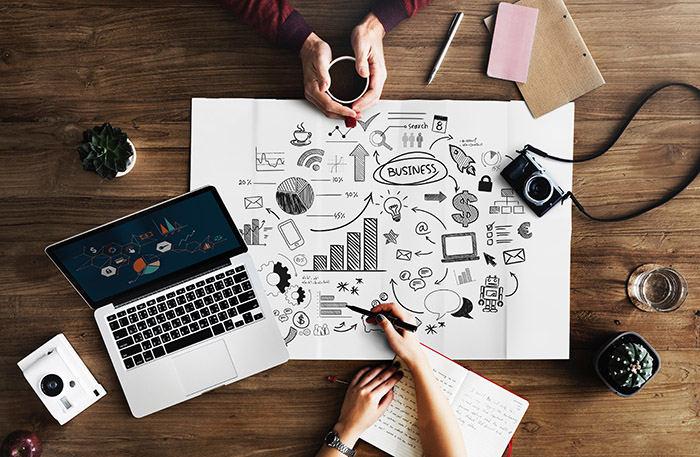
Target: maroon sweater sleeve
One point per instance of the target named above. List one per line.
(391, 12)
(276, 20)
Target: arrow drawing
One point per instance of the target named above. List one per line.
(369, 199)
(359, 154)
(421, 253)
(456, 185)
(490, 260)
(376, 156)
(415, 209)
(429, 240)
(393, 290)
(442, 279)
(446, 137)
(347, 329)
(435, 197)
(273, 213)
(516, 285)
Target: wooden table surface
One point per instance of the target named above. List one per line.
(67, 65)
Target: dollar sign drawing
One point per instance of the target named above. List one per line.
(468, 213)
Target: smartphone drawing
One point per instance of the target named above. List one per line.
(290, 234)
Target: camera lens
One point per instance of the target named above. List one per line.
(52, 385)
(538, 189)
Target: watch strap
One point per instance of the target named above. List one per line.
(339, 445)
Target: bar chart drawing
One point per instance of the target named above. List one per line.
(359, 253)
(329, 307)
(464, 277)
(251, 232)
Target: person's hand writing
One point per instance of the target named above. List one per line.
(367, 42)
(315, 57)
(368, 396)
(404, 343)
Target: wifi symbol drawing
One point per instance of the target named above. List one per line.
(311, 159)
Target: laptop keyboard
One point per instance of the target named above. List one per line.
(212, 306)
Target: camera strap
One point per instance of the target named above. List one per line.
(664, 200)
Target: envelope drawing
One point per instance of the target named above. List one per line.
(402, 254)
(513, 256)
(253, 202)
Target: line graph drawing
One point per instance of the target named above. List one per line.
(269, 161)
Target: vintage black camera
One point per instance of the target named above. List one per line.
(532, 183)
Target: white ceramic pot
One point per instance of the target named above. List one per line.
(131, 163)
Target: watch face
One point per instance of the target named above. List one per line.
(331, 437)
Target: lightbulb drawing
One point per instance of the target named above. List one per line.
(392, 205)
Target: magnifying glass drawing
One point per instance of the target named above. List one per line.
(378, 138)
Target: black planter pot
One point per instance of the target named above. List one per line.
(601, 358)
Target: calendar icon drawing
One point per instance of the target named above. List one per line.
(439, 124)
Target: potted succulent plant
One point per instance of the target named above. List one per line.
(626, 363)
(107, 151)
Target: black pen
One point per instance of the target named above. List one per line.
(394, 320)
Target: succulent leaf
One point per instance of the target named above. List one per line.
(105, 150)
(630, 365)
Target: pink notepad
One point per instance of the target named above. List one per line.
(513, 35)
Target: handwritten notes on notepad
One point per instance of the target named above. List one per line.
(487, 413)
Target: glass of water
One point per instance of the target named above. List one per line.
(653, 287)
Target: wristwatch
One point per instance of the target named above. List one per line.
(333, 441)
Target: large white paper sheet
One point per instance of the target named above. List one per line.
(398, 209)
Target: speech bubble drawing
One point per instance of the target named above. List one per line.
(383, 296)
(405, 275)
(425, 272)
(442, 301)
(416, 284)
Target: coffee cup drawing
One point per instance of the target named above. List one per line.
(347, 86)
(302, 137)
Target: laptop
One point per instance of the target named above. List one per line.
(177, 300)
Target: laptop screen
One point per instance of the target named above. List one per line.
(134, 255)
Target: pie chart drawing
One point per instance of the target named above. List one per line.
(295, 196)
(491, 158)
(146, 265)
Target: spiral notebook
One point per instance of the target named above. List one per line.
(488, 414)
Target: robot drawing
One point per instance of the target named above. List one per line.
(491, 295)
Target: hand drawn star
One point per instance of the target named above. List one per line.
(430, 329)
(359, 281)
(391, 237)
(441, 324)
(354, 290)
(342, 287)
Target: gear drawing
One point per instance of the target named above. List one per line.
(276, 275)
(295, 295)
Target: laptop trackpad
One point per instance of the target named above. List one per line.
(205, 367)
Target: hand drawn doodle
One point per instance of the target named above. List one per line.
(439, 197)
(517, 283)
(490, 260)
(465, 277)
(305, 332)
(378, 138)
(442, 301)
(342, 286)
(337, 165)
(383, 296)
(393, 290)
(269, 161)
(431, 329)
(296, 295)
(492, 159)
(291, 234)
(301, 136)
(294, 196)
(392, 206)
(357, 260)
(419, 140)
(359, 154)
(425, 272)
(391, 236)
(405, 275)
(365, 124)
(413, 168)
(370, 327)
(462, 160)
(524, 230)
(405, 116)
(329, 307)
(441, 325)
(403, 254)
(491, 295)
(359, 281)
(300, 259)
(502, 234)
(514, 256)
(276, 275)
(311, 159)
(508, 206)
(254, 202)
(422, 228)
(269, 210)
(439, 281)
(439, 124)
(337, 129)
(321, 330)
(467, 307)
(300, 319)
(421, 253)
(283, 316)
(291, 334)
(459, 247)
(342, 328)
(354, 290)
(468, 213)
(368, 199)
(417, 284)
(446, 137)
(485, 184)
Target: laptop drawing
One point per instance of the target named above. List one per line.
(177, 300)
(459, 247)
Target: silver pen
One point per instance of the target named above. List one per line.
(450, 35)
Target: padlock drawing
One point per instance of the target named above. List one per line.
(485, 184)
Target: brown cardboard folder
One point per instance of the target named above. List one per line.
(561, 66)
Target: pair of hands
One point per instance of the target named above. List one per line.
(316, 54)
(370, 391)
